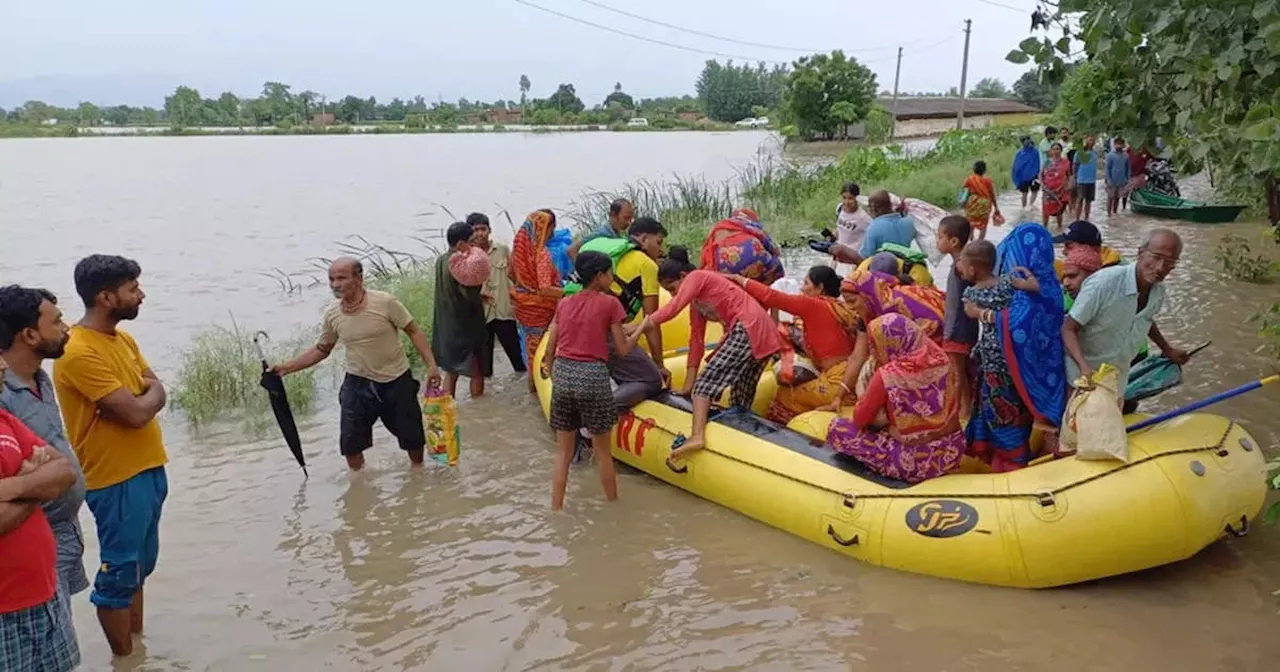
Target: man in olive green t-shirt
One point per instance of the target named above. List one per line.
(378, 384)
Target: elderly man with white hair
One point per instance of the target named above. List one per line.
(1116, 309)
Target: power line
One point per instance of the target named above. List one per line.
(733, 40)
(1020, 10)
(642, 38)
(931, 47)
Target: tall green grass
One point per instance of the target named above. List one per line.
(219, 376)
(219, 372)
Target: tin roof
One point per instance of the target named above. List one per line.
(935, 108)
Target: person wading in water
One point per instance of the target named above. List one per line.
(378, 384)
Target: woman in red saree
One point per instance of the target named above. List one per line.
(535, 282)
(981, 204)
(826, 333)
(1053, 179)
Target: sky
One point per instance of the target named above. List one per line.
(137, 51)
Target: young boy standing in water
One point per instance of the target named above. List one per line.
(581, 397)
(959, 331)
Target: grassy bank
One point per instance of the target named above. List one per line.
(795, 200)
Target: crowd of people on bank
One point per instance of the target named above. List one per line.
(916, 377)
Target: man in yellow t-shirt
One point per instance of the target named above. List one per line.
(378, 384)
(639, 377)
(110, 397)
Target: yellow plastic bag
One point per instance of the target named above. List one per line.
(440, 420)
(1093, 427)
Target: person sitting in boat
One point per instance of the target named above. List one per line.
(907, 423)
(739, 245)
(870, 295)
(750, 338)
(825, 336)
(1019, 308)
(887, 226)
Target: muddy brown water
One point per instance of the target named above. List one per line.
(466, 568)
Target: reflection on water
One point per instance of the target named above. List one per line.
(466, 568)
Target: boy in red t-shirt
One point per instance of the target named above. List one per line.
(36, 632)
(581, 396)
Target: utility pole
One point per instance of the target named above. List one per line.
(897, 73)
(964, 73)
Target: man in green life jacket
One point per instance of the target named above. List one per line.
(621, 214)
(635, 260)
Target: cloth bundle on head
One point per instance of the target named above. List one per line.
(1084, 258)
(470, 268)
(740, 245)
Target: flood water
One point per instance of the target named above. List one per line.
(466, 568)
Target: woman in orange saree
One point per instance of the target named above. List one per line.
(981, 204)
(535, 282)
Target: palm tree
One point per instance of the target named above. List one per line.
(524, 90)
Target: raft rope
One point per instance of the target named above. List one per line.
(1044, 497)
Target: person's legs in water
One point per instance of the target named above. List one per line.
(507, 333)
(401, 414)
(565, 444)
(477, 378)
(604, 464)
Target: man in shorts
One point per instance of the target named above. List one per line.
(378, 384)
(110, 398)
(36, 634)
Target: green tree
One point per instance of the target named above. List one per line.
(817, 84)
(546, 116)
(619, 97)
(306, 103)
(229, 105)
(349, 110)
(728, 92)
(36, 112)
(396, 110)
(88, 114)
(1204, 76)
(1030, 90)
(616, 112)
(525, 85)
(279, 103)
(566, 100)
(148, 116)
(989, 87)
(184, 107)
(117, 115)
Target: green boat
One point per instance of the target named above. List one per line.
(1147, 202)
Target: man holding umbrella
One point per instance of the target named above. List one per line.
(378, 384)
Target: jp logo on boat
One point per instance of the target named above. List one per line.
(942, 518)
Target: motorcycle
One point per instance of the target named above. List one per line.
(1160, 178)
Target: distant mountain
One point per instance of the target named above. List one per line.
(70, 90)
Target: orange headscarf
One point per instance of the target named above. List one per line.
(533, 269)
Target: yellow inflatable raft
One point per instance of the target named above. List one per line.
(1189, 482)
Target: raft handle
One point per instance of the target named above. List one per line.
(1046, 499)
(831, 531)
(1242, 531)
(850, 501)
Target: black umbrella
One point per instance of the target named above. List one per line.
(274, 385)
